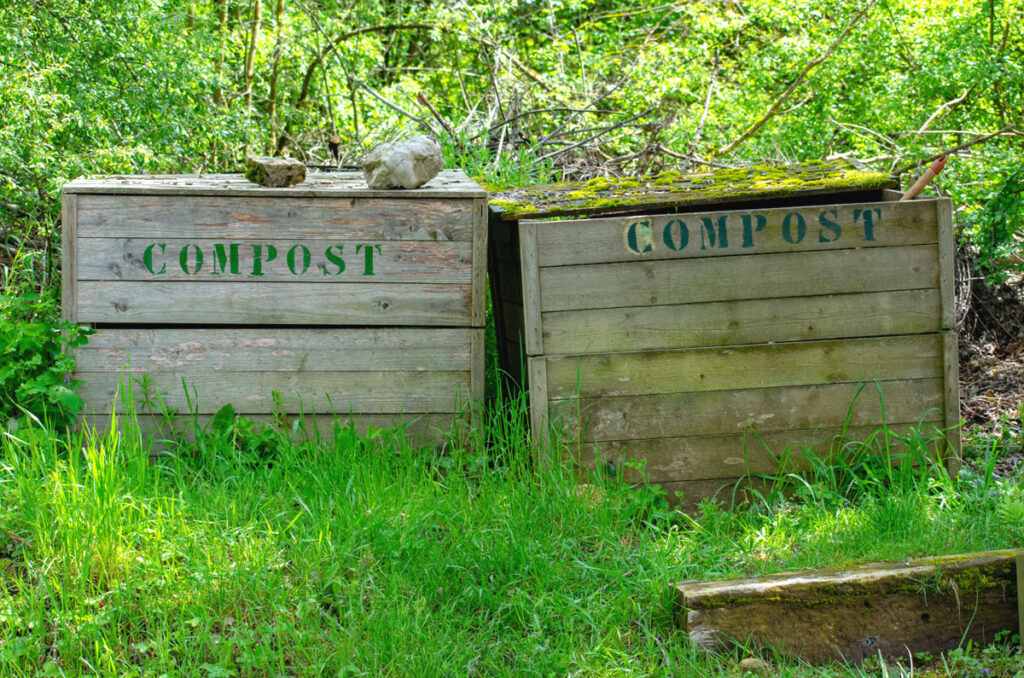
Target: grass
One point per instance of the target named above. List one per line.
(350, 555)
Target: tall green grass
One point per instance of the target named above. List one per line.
(346, 554)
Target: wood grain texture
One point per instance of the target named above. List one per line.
(418, 428)
(762, 410)
(928, 605)
(477, 357)
(448, 184)
(951, 396)
(479, 255)
(947, 264)
(736, 322)
(69, 273)
(532, 297)
(803, 363)
(415, 262)
(600, 240)
(275, 303)
(184, 351)
(230, 218)
(737, 454)
(652, 283)
(538, 398)
(251, 392)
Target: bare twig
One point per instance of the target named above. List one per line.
(798, 80)
(943, 109)
(395, 107)
(603, 132)
(704, 114)
(693, 160)
(422, 100)
(1004, 131)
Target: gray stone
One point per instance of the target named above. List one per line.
(402, 164)
(274, 172)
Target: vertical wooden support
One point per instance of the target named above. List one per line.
(1020, 597)
(479, 275)
(951, 398)
(478, 369)
(69, 260)
(531, 289)
(950, 354)
(539, 423)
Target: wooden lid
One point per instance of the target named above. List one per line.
(447, 184)
(629, 195)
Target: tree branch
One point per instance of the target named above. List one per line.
(798, 80)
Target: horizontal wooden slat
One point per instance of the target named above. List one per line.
(250, 392)
(268, 350)
(288, 218)
(763, 410)
(823, 227)
(733, 455)
(740, 322)
(274, 303)
(447, 184)
(744, 367)
(234, 260)
(421, 428)
(651, 283)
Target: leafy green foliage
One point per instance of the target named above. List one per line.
(35, 367)
(995, 228)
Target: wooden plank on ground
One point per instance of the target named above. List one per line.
(764, 409)
(307, 260)
(741, 322)
(746, 232)
(798, 274)
(247, 349)
(291, 218)
(831, 361)
(929, 605)
(251, 392)
(275, 303)
(739, 454)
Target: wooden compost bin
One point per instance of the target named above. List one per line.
(696, 322)
(340, 299)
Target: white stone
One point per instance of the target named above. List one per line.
(402, 164)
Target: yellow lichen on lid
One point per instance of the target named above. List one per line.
(672, 188)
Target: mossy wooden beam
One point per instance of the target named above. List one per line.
(670, 190)
(925, 605)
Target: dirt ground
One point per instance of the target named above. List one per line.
(992, 368)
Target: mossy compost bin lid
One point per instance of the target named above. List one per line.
(744, 187)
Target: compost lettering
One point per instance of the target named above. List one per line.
(256, 260)
(739, 231)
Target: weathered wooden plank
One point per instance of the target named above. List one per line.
(763, 410)
(652, 283)
(738, 232)
(447, 184)
(738, 454)
(947, 264)
(477, 351)
(739, 322)
(69, 241)
(306, 260)
(274, 303)
(890, 609)
(289, 218)
(184, 351)
(537, 381)
(479, 255)
(741, 367)
(251, 392)
(511, 280)
(532, 302)
(951, 398)
(418, 428)
(1020, 597)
